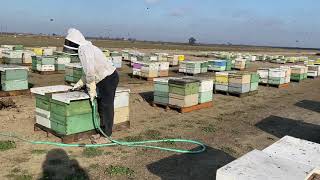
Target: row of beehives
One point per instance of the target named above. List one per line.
(150, 69)
(197, 67)
(13, 77)
(69, 113)
(285, 74)
(189, 91)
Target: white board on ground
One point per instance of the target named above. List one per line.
(257, 165)
(297, 150)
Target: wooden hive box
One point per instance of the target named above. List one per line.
(14, 77)
(183, 86)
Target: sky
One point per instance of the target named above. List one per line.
(292, 23)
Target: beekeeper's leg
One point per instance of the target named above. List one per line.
(107, 89)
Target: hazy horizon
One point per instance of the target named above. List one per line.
(249, 22)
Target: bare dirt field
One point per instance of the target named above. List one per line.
(233, 127)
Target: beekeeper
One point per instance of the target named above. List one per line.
(100, 76)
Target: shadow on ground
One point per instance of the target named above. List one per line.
(191, 166)
(147, 96)
(310, 105)
(281, 127)
(58, 165)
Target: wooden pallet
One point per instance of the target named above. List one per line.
(183, 109)
(79, 136)
(313, 77)
(240, 95)
(280, 86)
(48, 72)
(14, 93)
(298, 81)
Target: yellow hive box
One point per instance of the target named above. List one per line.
(38, 51)
(181, 58)
(221, 78)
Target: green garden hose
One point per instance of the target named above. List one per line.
(141, 144)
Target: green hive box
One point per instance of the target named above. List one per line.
(59, 67)
(13, 60)
(34, 63)
(14, 85)
(161, 87)
(46, 60)
(186, 89)
(276, 81)
(43, 102)
(14, 74)
(254, 86)
(76, 117)
(297, 77)
(254, 78)
(205, 97)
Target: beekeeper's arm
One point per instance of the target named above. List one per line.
(86, 55)
(80, 83)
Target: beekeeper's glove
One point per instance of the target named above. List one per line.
(92, 91)
(78, 85)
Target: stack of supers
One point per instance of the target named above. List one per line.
(162, 56)
(150, 70)
(299, 73)
(313, 70)
(47, 52)
(61, 61)
(317, 62)
(38, 51)
(183, 67)
(161, 91)
(125, 55)
(183, 92)
(193, 67)
(217, 65)
(254, 81)
(121, 106)
(73, 72)
(276, 76)
(27, 57)
(43, 99)
(287, 70)
(18, 47)
(229, 65)
(12, 56)
(205, 89)
(204, 67)
(116, 59)
(239, 82)
(264, 75)
(221, 81)
(163, 69)
(45, 63)
(136, 68)
(13, 77)
(240, 64)
(71, 113)
(180, 58)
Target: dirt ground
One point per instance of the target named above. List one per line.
(233, 127)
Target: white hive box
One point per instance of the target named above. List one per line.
(258, 165)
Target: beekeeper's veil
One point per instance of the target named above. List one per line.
(73, 40)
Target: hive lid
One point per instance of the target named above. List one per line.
(182, 81)
(49, 89)
(70, 96)
(4, 67)
(76, 65)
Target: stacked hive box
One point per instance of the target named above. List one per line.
(193, 67)
(121, 106)
(229, 65)
(276, 76)
(217, 65)
(205, 89)
(27, 57)
(162, 56)
(313, 70)
(12, 56)
(45, 63)
(116, 59)
(179, 58)
(239, 82)
(13, 78)
(299, 73)
(183, 92)
(73, 72)
(18, 47)
(71, 113)
(163, 69)
(240, 64)
(61, 61)
(161, 91)
(38, 51)
(221, 81)
(287, 70)
(43, 99)
(182, 67)
(204, 67)
(150, 70)
(136, 68)
(263, 74)
(254, 81)
(7, 47)
(47, 51)
(125, 55)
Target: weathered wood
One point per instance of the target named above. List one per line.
(14, 93)
(280, 86)
(240, 95)
(184, 109)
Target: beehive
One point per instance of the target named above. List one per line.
(73, 72)
(299, 73)
(183, 92)
(239, 82)
(217, 65)
(13, 77)
(38, 51)
(254, 82)
(121, 106)
(205, 89)
(161, 91)
(61, 61)
(45, 63)
(12, 56)
(313, 70)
